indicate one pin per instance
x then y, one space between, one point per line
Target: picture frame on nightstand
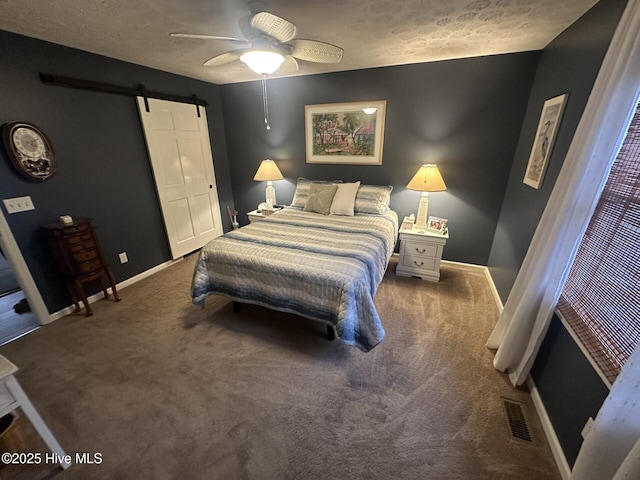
437 225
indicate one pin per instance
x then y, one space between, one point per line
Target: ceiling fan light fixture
263 62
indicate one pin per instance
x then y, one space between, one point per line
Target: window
601 298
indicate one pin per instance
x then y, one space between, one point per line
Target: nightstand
254 216
420 254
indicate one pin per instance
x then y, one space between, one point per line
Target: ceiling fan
269 44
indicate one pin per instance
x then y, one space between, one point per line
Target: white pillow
344 199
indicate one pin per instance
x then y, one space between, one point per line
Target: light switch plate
18 204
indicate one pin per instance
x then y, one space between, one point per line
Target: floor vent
517 422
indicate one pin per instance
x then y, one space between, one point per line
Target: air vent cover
515 417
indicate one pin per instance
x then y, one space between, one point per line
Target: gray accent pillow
320 198
302 190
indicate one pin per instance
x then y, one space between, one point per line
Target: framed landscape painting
543 141
345 133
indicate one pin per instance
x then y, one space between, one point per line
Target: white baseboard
125 283
487 274
451 263
549 431
494 290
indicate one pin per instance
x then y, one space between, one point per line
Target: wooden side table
12 396
421 254
80 259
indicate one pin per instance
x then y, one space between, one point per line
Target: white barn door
180 153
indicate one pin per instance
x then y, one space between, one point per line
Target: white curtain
612 448
529 308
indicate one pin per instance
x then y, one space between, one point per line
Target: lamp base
271 195
423 206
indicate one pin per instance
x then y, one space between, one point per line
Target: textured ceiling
373 33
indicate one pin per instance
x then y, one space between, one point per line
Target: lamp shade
428 179
268 170
263 62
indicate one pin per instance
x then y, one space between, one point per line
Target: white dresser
421 253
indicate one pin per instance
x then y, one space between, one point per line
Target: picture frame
437 225
344 133
548 125
408 223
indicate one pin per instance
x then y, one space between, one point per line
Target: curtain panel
525 319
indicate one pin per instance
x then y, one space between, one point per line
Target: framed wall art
552 111
345 133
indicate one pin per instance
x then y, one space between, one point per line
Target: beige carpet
165 390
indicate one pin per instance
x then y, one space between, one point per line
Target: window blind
601 297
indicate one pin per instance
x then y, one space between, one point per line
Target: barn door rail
140 91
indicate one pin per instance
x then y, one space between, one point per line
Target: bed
322 267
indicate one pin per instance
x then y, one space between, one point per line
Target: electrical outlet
123 257
18 204
587 428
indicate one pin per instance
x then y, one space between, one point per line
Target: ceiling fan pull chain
265 102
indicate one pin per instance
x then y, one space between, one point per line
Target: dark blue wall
571 389
103 170
464 115
570 65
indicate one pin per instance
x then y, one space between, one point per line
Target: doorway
16 317
22 309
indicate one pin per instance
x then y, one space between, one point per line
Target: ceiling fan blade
223 58
244 23
200 36
290 65
274 26
316 51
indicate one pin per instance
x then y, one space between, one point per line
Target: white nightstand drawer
418 262
421 249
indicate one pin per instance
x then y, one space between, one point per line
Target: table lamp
268 170
427 179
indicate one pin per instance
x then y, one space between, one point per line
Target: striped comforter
326 268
